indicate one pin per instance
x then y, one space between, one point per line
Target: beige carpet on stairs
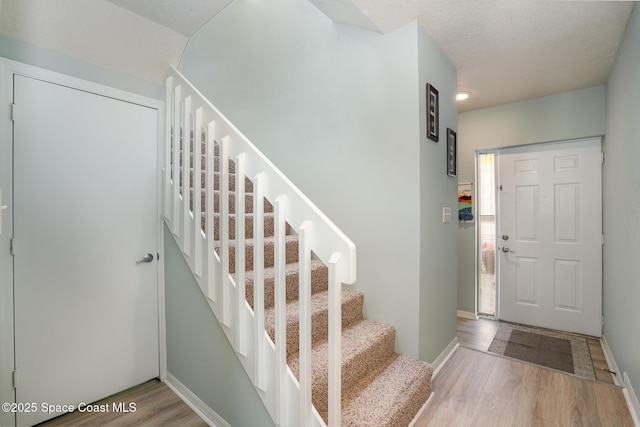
379 386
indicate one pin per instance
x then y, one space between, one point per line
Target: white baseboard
622 380
467 315
632 399
437 364
441 360
199 407
415 419
611 361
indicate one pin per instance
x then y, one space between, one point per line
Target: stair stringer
287 400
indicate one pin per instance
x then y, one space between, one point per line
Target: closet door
86 314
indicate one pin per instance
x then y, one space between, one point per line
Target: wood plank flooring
155 405
476 388
479 334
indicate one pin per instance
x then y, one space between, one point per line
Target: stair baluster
197 194
177 152
241 333
258 284
335 341
305 323
190 207
280 307
186 165
212 287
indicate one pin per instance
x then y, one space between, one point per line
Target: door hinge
2 207
602 158
12 246
13 112
603 239
14 379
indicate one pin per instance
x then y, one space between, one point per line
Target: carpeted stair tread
366 345
319 278
352 301
248 185
392 398
291 252
203 162
248 202
248 225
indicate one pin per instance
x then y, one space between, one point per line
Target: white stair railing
191 117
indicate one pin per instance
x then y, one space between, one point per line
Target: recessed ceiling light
461 96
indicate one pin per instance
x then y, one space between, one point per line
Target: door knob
146 258
506 249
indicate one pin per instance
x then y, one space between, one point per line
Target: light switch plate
446 215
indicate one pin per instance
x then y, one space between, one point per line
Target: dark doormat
555 350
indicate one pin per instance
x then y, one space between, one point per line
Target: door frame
7 69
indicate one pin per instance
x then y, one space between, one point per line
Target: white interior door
86 315
550 236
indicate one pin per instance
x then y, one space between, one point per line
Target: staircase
274 280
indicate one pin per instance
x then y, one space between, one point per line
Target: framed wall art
433 113
465 202
452 151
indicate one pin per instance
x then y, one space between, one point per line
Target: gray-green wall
567 115
621 180
44 58
338 110
438 245
198 352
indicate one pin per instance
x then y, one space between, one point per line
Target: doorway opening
486 234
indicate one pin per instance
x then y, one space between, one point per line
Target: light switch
446 215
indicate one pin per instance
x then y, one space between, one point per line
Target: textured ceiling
504 50
508 50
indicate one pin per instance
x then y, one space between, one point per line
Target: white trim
210 416
162 324
446 354
424 408
467 315
6 263
632 399
80 84
611 362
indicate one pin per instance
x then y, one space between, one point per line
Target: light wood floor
156 405
479 334
476 388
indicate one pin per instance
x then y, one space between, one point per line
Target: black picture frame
433 113
452 153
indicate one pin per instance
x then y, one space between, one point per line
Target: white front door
86 315
550 235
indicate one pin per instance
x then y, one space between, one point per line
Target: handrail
190 116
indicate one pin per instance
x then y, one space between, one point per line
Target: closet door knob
146 258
